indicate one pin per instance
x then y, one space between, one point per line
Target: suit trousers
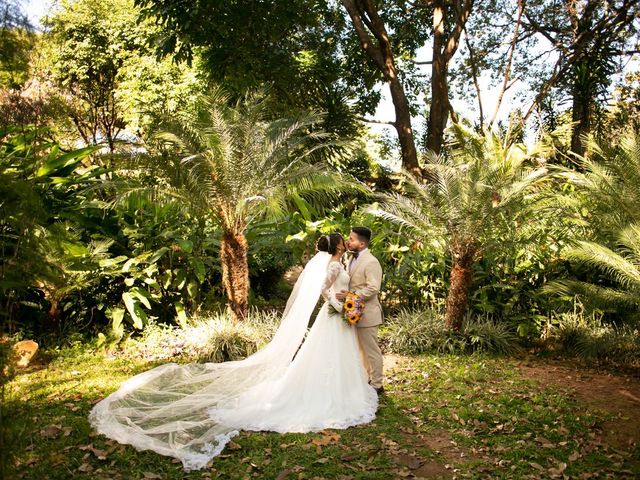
371 353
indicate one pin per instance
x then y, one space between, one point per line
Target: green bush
206 339
223 340
588 337
484 334
411 332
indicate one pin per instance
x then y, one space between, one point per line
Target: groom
365 275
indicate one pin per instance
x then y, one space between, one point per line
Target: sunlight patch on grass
463 416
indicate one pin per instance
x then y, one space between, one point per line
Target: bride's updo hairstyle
329 243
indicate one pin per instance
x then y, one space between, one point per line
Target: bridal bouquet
352 308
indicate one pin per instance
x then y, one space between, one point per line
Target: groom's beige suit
365 275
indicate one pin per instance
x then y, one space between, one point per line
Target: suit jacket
365 279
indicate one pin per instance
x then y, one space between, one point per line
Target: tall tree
449 19
294 47
90 41
16 42
375 41
589 37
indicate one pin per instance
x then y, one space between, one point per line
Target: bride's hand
341 295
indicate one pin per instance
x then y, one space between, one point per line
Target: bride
294 384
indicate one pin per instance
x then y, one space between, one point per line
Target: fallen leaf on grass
326 439
72 406
574 456
67 431
558 471
152 476
85 468
100 454
544 442
283 474
233 445
51 431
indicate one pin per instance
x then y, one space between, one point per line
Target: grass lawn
442 417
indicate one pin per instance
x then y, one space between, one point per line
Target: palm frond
606 260
594 296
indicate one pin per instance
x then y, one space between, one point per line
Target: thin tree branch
474 73
380 122
507 69
454 38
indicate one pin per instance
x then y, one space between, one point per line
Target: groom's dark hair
363 233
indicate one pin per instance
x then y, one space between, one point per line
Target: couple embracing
328 377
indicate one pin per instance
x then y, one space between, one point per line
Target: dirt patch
391 361
421 468
446 453
618 395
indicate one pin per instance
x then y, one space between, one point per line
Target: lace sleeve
333 270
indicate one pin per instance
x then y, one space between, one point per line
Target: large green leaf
112 262
138 316
192 288
142 295
180 279
117 315
181 315
57 162
198 266
158 254
185 245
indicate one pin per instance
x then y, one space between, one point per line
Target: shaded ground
443 417
618 395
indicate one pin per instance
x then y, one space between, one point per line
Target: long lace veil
167 409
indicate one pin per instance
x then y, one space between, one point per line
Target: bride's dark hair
329 243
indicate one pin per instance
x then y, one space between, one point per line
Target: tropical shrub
607 197
41 259
589 337
411 332
206 338
418 331
235 166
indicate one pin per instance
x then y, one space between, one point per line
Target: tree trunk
581 127
464 256
581 112
444 47
235 274
402 125
366 21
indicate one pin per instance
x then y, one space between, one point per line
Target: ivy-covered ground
442 417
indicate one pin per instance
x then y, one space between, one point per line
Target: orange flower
353 308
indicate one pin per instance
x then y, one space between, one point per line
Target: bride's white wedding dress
190 412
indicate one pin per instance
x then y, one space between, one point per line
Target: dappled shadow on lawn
486 421
442 417
617 395
52 439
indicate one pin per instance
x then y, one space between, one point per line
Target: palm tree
236 167
621 266
607 185
606 197
468 195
